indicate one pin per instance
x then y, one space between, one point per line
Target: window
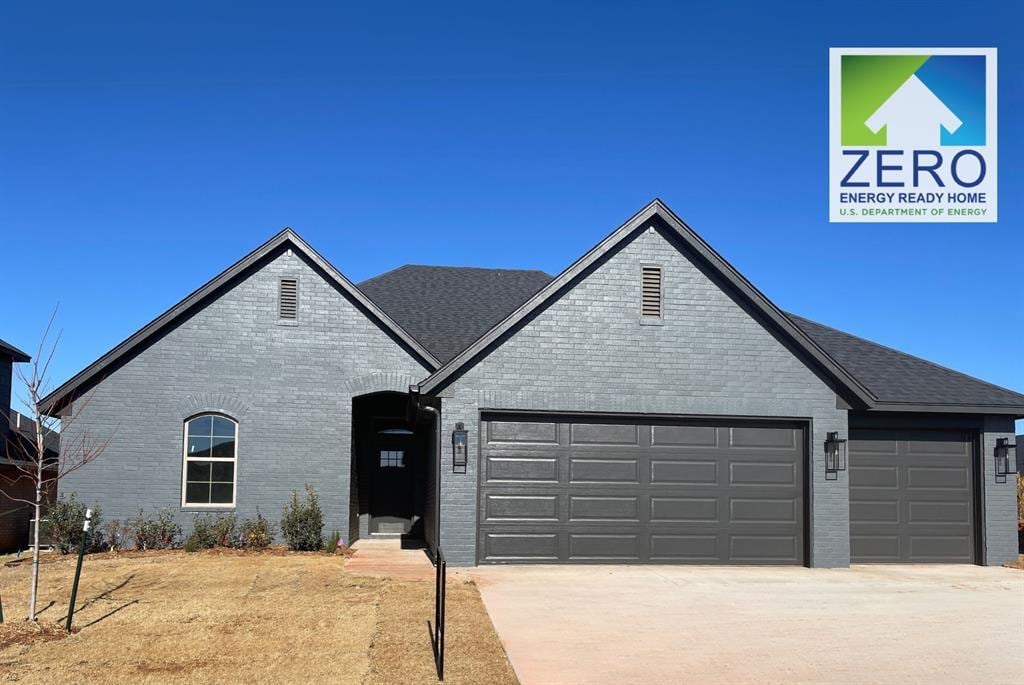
211 447
392 459
650 292
288 299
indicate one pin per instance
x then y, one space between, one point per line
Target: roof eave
1017 411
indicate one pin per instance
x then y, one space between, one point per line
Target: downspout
414 391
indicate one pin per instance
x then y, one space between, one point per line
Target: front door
393 476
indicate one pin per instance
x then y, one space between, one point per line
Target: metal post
78 568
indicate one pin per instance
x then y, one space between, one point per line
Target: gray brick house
646 405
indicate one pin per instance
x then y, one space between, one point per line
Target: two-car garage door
583 489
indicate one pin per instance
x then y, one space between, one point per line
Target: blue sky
148 147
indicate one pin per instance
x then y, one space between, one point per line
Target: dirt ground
229 618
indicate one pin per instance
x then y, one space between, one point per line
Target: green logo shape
867 81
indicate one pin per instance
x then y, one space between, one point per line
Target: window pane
223 471
198 470
200 425
197 493
220 493
224 448
223 427
198 447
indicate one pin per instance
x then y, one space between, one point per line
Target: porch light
835 456
1002 453
460 448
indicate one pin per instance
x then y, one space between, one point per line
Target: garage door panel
762 473
608 435
521 546
600 508
612 492
601 546
684 436
684 471
684 548
764 549
588 470
911 497
762 510
523 432
521 469
875 548
683 509
762 438
499 507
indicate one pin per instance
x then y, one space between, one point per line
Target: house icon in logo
913 117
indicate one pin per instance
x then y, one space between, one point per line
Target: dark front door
393 478
592 490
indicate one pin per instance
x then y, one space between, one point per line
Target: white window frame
186 459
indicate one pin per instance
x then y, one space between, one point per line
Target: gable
590 339
241 305
662 236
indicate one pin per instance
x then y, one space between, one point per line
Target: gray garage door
910 496
584 490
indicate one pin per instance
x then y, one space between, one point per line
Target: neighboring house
647 405
17 434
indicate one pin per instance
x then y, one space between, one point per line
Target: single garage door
612 491
911 496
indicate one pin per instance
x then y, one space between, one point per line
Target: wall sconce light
1002 453
835 456
460 448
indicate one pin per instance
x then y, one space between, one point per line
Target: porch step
388 528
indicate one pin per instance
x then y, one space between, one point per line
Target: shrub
118 535
156 531
213 531
256 533
63 525
302 523
333 540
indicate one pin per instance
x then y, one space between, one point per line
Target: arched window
211 449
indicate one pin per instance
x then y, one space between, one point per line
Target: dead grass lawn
205 618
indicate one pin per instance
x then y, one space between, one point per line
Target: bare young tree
31 460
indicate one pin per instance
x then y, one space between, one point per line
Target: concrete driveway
672 624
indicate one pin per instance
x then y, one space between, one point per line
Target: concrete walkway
659 624
386 558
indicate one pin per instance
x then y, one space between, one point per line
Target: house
17 435
646 405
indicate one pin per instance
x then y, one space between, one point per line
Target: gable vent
288 299
650 296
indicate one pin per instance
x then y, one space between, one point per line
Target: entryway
389 478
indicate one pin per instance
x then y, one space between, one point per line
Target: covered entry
592 489
911 496
389 469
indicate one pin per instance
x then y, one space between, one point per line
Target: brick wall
588 352
289 387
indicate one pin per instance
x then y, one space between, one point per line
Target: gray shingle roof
448 308
896 377
8 350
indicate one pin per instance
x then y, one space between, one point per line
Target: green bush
62 525
155 531
333 540
302 523
213 531
256 533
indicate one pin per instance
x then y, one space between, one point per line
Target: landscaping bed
239 617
